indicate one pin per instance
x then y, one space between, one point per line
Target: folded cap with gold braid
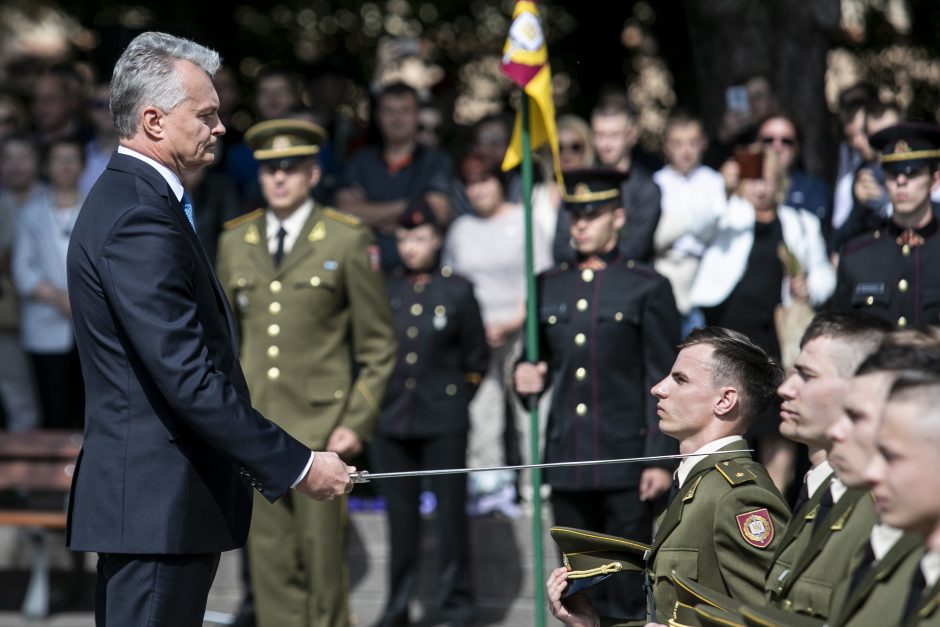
908 146
589 190
276 140
592 557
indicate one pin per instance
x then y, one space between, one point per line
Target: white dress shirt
688 463
883 537
815 477
930 566
293 224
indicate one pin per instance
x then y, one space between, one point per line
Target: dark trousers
153 590
453 579
59 381
615 512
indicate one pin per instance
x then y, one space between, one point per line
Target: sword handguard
360 476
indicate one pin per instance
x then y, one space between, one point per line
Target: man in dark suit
170 436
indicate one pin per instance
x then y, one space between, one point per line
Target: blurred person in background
763 254
19 186
381 179
55 104
748 100
613 125
277 94
780 134
487 248
13 116
104 139
693 198
424 422
43 231
864 203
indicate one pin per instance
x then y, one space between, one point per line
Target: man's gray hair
145 75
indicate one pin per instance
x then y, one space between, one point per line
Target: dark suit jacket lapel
806 515
882 570
673 514
928 605
833 522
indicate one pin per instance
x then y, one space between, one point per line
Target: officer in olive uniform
424 421
608 328
318 347
892 272
720 528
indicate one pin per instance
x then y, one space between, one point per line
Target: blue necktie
188 209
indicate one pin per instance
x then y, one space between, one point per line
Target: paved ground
502 573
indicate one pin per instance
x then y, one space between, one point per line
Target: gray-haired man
171 439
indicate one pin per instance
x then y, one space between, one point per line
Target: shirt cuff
305 471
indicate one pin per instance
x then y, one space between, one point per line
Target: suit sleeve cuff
305 471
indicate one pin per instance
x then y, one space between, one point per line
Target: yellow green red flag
525 62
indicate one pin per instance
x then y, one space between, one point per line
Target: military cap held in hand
593 557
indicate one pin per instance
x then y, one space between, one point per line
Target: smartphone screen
736 99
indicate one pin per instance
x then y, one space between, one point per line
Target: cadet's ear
727 400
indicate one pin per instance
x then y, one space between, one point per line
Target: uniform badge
372 252
330 265
253 235
318 232
756 527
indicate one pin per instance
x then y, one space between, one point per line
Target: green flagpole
532 356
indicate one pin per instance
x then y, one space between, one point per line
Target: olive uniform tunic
304 328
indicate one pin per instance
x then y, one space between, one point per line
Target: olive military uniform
875 593
926 610
303 326
719 530
807 587
423 425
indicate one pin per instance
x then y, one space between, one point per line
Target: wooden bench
36 470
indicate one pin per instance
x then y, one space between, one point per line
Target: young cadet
608 328
724 512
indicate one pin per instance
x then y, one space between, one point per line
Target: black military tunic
442 357
442 354
608 336
894 274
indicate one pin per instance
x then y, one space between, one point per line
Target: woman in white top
43 230
487 248
742 279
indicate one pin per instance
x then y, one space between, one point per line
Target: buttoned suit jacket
169 422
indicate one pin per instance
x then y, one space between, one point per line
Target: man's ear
727 400
152 122
315 174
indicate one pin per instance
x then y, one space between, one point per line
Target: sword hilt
360 476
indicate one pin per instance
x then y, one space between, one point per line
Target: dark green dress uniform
875 593
423 426
807 587
720 530
608 330
922 610
892 272
318 346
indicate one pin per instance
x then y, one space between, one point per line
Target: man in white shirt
693 197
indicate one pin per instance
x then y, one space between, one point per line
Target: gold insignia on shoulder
734 473
253 235
318 232
339 216
242 219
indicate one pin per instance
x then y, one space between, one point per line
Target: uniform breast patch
756 527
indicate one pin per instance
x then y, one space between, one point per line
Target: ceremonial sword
364 476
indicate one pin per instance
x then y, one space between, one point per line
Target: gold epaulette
242 219
734 472
339 216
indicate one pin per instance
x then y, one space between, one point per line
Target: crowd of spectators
737 243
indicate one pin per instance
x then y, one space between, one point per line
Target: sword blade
364 476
